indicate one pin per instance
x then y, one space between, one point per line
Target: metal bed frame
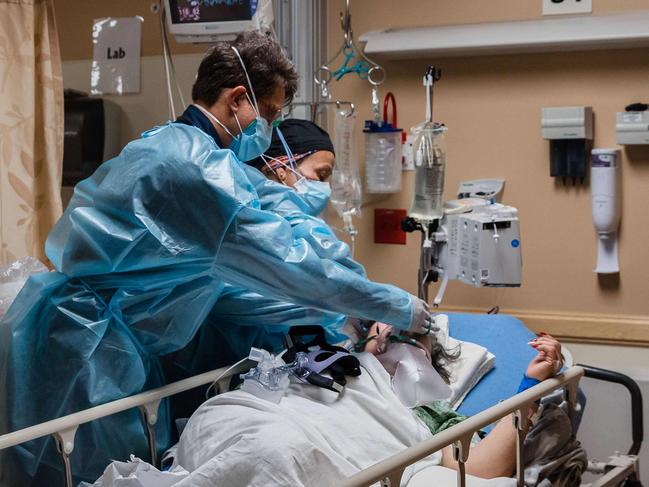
618 469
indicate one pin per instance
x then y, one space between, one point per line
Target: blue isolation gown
241 319
143 253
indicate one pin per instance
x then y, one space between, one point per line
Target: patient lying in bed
495 455
315 437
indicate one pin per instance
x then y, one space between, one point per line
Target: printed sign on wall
116 55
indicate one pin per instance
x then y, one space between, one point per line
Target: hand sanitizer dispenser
604 183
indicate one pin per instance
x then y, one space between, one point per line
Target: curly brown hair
266 62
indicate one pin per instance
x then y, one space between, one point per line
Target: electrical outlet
562 7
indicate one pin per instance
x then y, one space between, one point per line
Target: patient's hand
548 360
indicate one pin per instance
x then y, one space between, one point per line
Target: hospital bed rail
619 469
387 472
64 428
390 471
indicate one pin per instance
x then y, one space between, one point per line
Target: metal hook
352 108
364 67
317 107
434 72
346 24
376 68
324 80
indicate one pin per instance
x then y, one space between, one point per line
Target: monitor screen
195 11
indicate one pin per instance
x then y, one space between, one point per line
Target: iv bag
345 180
430 160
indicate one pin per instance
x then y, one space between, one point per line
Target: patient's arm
495 456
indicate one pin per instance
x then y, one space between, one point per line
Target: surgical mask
255 139
314 194
414 379
252 141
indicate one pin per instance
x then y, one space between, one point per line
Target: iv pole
427 272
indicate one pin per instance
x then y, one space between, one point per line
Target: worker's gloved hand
422 321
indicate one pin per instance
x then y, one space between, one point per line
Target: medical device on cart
473 239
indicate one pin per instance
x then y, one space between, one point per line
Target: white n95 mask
414 379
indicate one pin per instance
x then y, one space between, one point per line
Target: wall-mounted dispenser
604 185
570 132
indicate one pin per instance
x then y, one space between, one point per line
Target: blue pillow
504 336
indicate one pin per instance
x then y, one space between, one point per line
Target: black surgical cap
301 136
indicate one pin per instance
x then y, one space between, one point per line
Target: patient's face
382 332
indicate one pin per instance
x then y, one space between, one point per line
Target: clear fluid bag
383 152
345 181
430 161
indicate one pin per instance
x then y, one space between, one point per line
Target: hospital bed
618 469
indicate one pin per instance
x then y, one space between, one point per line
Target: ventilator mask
414 379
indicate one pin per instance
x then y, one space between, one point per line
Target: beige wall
139 111
492 107
143 110
74 19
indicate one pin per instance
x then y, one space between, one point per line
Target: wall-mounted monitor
212 20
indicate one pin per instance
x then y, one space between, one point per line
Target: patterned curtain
31 127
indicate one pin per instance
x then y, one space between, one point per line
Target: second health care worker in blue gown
142 255
291 179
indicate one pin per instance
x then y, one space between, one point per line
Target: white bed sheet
312 438
438 476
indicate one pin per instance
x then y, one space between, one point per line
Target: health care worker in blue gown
297 168
142 254
291 179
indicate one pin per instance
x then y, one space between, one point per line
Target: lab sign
116 55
